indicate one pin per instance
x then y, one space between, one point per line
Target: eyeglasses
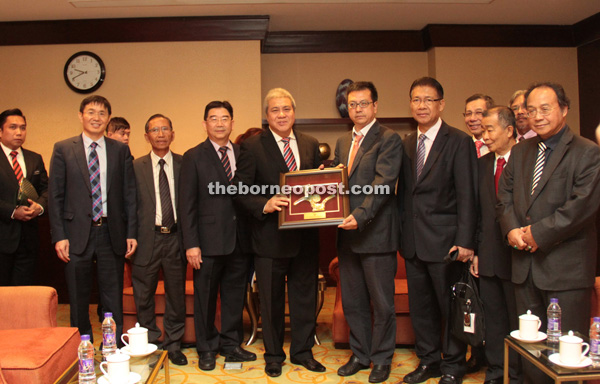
517 108
362 104
161 129
215 119
544 111
428 102
476 113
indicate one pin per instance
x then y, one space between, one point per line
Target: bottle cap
596 319
107 314
554 300
85 337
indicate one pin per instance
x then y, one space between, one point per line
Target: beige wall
175 79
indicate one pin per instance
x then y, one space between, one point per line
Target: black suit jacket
492 250
208 221
10 229
70 199
377 162
440 209
260 164
146 206
561 212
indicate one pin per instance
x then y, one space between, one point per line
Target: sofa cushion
37 355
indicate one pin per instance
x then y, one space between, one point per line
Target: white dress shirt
293 146
20 158
430 138
168 167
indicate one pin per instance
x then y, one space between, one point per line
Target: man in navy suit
212 241
439 215
19 241
92 210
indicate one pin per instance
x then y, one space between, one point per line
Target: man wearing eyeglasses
517 104
548 195
157 181
367 244
92 211
438 208
212 241
475 105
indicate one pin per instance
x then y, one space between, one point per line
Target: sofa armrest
127 275
334 271
28 307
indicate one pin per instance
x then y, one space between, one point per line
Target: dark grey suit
158 251
367 255
562 215
291 254
438 211
70 212
210 222
19 240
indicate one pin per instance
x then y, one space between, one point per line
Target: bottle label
594 346
554 324
86 365
109 339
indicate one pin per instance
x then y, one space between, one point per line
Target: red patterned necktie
225 162
499 168
288 155
16 167
478 145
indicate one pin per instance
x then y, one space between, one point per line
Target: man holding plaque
281 255
23 197
367 241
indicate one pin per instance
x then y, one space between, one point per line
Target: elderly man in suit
367 241
475 105
492 263
438 211
19 242
157 185
92 210
281 257
548 197
212 242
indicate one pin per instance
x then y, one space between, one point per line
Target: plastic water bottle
595 342
554 314
109 340
86 361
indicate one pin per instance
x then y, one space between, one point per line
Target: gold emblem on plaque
314 200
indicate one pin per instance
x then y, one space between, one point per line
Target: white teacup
529 325
138 339
117 368
570 349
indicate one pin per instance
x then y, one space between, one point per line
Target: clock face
84 72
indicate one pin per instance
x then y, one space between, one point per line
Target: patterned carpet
253 372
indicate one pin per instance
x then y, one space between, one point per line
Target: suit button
234 218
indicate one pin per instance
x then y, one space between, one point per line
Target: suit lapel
436 149
215 161
111 154
273 151
29 165
409 148
490 177
80 158
7 168
366 144
149 178
176 171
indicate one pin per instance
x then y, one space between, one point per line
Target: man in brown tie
157 183
211 239
475 105
19 242
492 262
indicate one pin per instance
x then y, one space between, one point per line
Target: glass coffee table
538 354
148 367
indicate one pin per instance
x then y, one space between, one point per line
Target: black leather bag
467 311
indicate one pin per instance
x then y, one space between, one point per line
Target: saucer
555 358
133 378
540 337
151 348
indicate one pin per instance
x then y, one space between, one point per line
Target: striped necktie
288 155
539 165
166 204
420 154
94 169
225 162
478 145
16 166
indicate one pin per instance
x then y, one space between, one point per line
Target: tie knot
500 162
94 145
422 137
478 144
223 150
14 153
286 140
358 137
162 162
542 146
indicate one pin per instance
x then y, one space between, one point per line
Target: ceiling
318 15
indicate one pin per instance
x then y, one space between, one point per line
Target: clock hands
82 73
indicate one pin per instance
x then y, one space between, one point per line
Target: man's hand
62 250
131 247
516 239
528 238
275 203
349 223
464 254
24 213
194 257
474 268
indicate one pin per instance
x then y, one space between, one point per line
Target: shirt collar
168 158
431 132
7 150
217 146
278 137
87 141
506 156
363 131
552 142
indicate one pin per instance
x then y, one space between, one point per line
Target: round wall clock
84 72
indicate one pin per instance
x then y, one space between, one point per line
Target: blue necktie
420 154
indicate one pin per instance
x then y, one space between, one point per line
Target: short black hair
10 112
427 82
489 102
218 104
362 86
563 100
95 99
116 124
156 116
